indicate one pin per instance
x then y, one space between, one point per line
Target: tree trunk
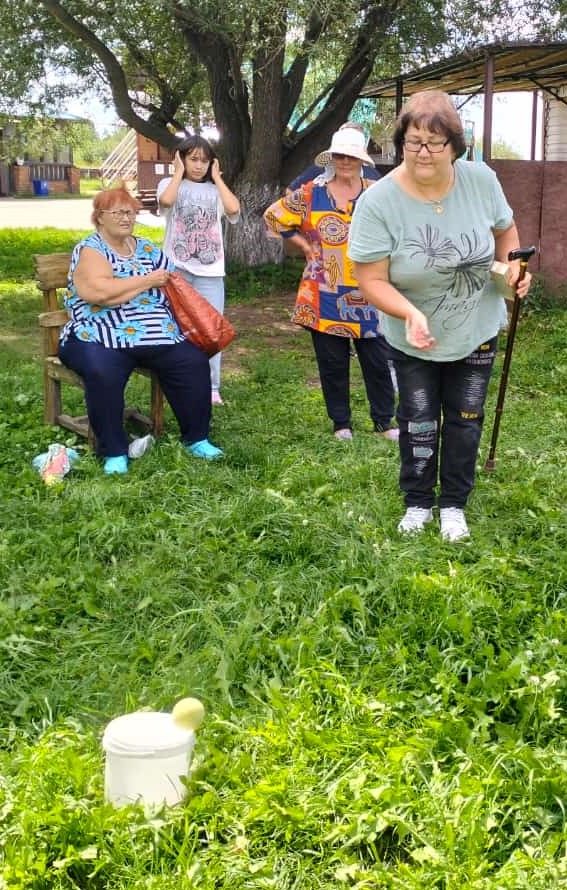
247 242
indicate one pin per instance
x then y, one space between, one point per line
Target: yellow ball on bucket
188 713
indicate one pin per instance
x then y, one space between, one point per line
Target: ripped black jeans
440 415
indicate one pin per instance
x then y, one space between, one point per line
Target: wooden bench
51 276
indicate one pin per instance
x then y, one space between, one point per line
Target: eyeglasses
121 214
434 148
336 156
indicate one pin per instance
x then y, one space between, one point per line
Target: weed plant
382 712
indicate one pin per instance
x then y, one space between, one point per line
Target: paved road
64 213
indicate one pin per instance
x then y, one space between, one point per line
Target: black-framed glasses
121 214
434 148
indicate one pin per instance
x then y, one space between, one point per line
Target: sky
92 109
511 121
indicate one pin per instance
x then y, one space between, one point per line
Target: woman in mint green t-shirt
423 240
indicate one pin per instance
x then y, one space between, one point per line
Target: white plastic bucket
147 756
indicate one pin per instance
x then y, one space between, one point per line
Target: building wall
152 151
150 173
537 193
23 176
555 128
153 163
4 179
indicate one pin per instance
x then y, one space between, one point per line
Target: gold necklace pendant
438 208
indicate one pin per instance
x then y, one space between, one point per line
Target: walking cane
522 254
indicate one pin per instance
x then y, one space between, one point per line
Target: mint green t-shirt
439 261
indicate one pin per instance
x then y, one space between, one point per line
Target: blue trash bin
40 187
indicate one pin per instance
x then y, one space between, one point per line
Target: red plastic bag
198 321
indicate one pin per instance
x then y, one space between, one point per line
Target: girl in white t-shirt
193 201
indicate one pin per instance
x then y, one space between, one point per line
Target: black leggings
440 415
333 360
182 370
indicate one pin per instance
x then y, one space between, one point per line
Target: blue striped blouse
145 320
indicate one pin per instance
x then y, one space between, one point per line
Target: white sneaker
343 434
415 520
453 524
393 434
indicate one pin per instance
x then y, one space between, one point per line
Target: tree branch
115 73
343 92
263 161
357 67
229 94
170 100
295 75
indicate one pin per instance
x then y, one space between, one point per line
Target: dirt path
261 323
56 213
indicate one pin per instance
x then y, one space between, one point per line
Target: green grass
90 187
17 247
244 284
381 712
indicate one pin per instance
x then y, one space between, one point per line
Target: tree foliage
90 149
500 149
40 137
277 77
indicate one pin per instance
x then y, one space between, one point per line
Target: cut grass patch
382 712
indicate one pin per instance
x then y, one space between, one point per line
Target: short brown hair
111 198
433 110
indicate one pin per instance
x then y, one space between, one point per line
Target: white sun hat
346 141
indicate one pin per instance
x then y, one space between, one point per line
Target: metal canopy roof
517 67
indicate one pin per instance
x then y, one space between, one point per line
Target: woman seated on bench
121 319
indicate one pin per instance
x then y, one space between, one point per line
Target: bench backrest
51 270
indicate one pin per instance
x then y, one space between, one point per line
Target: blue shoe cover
116 464
205 450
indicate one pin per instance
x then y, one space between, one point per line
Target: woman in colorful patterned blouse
317 219
120 318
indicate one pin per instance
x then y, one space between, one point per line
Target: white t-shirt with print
193 235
